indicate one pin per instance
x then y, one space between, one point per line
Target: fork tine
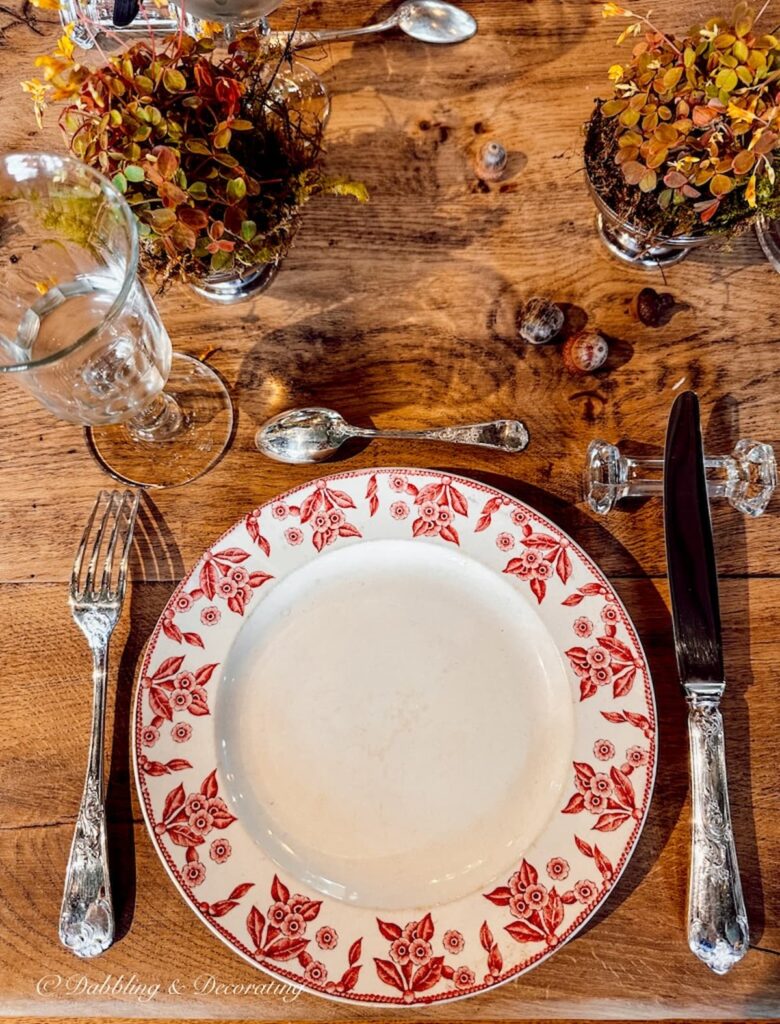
89 582
132 513
76 573
109 556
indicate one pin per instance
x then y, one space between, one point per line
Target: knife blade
717 920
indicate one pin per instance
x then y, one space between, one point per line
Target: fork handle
87 914
717 920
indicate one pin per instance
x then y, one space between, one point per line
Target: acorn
490 162
540 321
651 308
585 352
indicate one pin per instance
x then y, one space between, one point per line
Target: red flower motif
453 941
544 570
226 587
610 614
583 626
601 676
183 602
397 482
201 822
149 736
216 805
293 536
420 951
181 732
194 873
210 615
293 925
320 522
296 903
399 510
429 511
532 558
399 951
180 699
444 515
336 518
585 891
463 977
184 681
239 574
637 756
327 938
595 802
603 750
220 850
519 517
194 803
505 542
558 869
277 912
519 908
279 510
597 657
601 783
316 973
536 896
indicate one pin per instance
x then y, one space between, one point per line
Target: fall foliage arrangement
214 159
689 142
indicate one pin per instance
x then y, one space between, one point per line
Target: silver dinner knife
717 921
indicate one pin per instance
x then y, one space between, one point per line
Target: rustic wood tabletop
402 312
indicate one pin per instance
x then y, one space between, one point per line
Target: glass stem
160 420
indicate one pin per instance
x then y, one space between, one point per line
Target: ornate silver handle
500 435
717 921
303 40
87 914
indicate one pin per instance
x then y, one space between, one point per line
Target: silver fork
87 914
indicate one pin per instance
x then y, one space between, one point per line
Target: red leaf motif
610 821
419 526
563 566
482 524
583 772
348 530
603 863
591 589
411 489
349 978
173 802
318 540
178 764
371 489
354 952
541 540
553 912
389 930
616 648
172 630
373 505
285 948
257 579
539 588
169 667
279 891
587 687
575 804
191 855
459 503
198 707
449 533
194 639
388 973
221 908
222 819
265 547
522 932
428 975
638 720
425 928
572 600
240 890
204 673
342 499
236 604
568 897
485 937
210 787
155 768
583 847
577 656
514 565
208 579
310 910
183 835
448 972
233 555
255 923
500 896
623 788
613 716
528 873
431 492
495 960
310 505
159 703
623 681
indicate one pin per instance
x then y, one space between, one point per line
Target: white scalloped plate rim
451 981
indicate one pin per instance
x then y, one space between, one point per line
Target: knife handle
717 921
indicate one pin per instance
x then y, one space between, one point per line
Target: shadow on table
646 608
155 557
722 433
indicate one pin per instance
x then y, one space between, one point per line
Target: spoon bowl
434 21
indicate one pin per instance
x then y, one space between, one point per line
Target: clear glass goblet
79 330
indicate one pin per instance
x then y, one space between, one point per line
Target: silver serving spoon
312 435
429 21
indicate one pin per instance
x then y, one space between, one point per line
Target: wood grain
403 313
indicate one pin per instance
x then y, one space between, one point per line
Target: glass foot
227 288
192 450
628 248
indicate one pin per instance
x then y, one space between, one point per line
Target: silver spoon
311 435
429 21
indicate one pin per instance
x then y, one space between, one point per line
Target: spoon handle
498 435
305 40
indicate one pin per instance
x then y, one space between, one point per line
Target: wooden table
402 313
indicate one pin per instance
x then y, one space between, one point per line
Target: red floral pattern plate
256 902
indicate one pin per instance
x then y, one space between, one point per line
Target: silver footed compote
315 434
87 914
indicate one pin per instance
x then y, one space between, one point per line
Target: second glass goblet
80 331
